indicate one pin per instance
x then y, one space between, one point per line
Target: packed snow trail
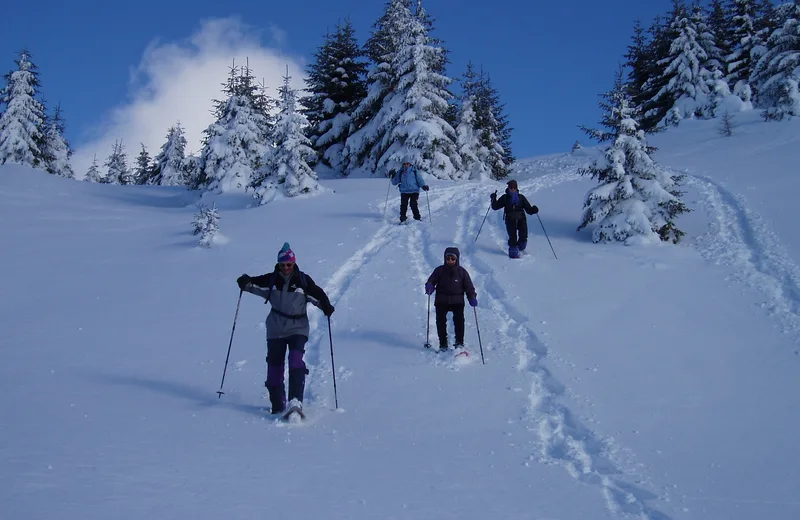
740 239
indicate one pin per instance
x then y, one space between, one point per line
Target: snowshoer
515 205
409 182
451 282
288 290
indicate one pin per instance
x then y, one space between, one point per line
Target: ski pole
428 332
545 234
333 366
479 334
386 204
429 206
484 220
220 392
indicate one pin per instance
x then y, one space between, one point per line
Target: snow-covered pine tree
367 126
236 142
144 167
636 198
118 171
746 46
168 164
777 73
492 128
94 174
21 123
413 113
577 146
652 106
337 85
286 166
56 150
468 139
687 80
206 224
718 26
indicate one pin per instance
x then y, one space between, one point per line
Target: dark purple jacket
451 282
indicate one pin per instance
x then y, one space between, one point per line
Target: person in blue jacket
409 181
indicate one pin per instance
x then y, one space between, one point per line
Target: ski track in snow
560 437
741 240
319 383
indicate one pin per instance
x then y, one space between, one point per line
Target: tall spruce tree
414 111
493 128
368 126
236 143
22 122
777 73
286 167
337 85
168 164
746 45
635 197
474 156
56 150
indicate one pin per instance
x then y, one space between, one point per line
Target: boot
513 252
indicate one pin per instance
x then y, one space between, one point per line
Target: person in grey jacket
288 290
409 182
451 282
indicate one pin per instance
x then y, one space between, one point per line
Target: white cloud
178 81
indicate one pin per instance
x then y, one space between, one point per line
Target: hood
452 251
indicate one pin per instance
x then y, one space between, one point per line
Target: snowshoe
294 412
513 252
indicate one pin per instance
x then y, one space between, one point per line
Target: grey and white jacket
288 296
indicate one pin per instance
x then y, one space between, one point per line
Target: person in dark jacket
451 282
515 205
409 182
288 290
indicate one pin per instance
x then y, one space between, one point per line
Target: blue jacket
409 180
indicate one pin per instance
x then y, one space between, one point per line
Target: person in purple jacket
451 282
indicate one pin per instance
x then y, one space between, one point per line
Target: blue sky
128 70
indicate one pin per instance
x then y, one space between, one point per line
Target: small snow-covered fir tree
56 149
21 123
206 224
726 124
116 164
337 85
94 174
236 142
577 146
168 164
144 167
286 166
636 199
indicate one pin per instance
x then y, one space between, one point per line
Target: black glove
425 188
534 210
392 173
493 196
242 281
327 310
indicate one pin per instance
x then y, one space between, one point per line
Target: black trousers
458 322
405 198
517 231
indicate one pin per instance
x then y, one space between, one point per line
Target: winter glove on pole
473 302
242 281
428 289
220 392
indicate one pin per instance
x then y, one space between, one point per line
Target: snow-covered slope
653 382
